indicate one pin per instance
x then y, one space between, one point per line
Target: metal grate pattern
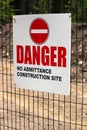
32 110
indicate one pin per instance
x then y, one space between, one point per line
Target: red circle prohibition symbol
39 31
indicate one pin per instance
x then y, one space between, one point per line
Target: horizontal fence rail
22 109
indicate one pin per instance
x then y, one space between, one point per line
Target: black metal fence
32 110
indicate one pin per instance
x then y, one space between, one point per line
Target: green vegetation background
8 8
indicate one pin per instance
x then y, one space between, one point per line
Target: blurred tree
28 6
59 6
78 8
6 11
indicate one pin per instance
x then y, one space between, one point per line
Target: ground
31 110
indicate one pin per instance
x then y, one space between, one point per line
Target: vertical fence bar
76 65
82 2
43 110
71 71
59 112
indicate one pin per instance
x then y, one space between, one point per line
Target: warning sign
39 30
42 48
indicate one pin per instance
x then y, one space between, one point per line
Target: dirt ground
31 110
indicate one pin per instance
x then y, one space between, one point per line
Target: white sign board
41 49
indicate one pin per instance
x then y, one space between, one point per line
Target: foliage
78 8
6 11
60 6
41 6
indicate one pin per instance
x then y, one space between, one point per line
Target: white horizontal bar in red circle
39 31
